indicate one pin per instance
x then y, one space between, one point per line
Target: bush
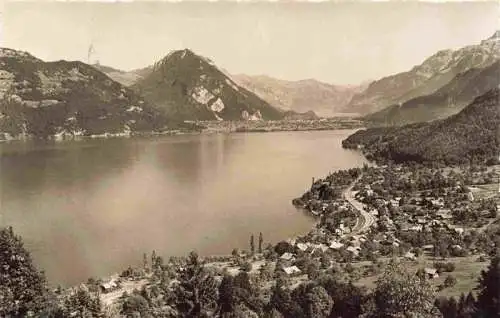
444 267
450 281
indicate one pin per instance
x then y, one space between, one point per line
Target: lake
93 207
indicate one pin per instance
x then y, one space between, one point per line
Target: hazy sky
344 43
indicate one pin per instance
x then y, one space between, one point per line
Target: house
353 250
428 247
286 256
459 230
421 221
416 228
109 286
336 245
303 247
431 273
321 247
291 270
410 256
470 196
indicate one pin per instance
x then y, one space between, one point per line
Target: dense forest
471 136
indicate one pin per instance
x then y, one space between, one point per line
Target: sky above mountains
341 43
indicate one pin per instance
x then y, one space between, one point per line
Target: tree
226 300
399 293
145 262
261 241
449 281
488 301
318 302
252 244
281 300
196 293
82 303
448 307
23 289
134 305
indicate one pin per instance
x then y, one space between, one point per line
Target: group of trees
252 244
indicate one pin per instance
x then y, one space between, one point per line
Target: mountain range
470 136
427 78
446 101
300 96
44 99
39 98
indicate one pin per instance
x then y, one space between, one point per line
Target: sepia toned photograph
285 159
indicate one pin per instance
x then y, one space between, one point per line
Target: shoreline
169 133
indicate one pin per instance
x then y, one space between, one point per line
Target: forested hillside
469 136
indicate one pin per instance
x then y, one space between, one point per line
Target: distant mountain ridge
191 87
446 101
62 98
471 136
300 96
426 78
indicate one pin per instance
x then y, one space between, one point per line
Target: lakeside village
441 224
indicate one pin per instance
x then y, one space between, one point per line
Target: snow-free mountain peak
191 87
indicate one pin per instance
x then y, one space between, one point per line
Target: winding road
365 220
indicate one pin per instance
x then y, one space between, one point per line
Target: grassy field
467 271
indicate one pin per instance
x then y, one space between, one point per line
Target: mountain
446 101
472 135
122 77
426 78
44 99
300 96
190 87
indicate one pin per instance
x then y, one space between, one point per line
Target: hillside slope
472 135
424 79
446 101
44 99
190 87
300 96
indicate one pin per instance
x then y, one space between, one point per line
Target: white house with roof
287 256
302 246
291 270
431 273
336 245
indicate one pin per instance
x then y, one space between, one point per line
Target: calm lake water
91 208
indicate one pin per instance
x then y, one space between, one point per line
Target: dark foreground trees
488 301
196 293
23 289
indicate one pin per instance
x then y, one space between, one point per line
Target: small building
470 196
286 256
302 246
353 250
322 247
291 270
459 230
109 286
411 256
428 247
431 273
336 245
